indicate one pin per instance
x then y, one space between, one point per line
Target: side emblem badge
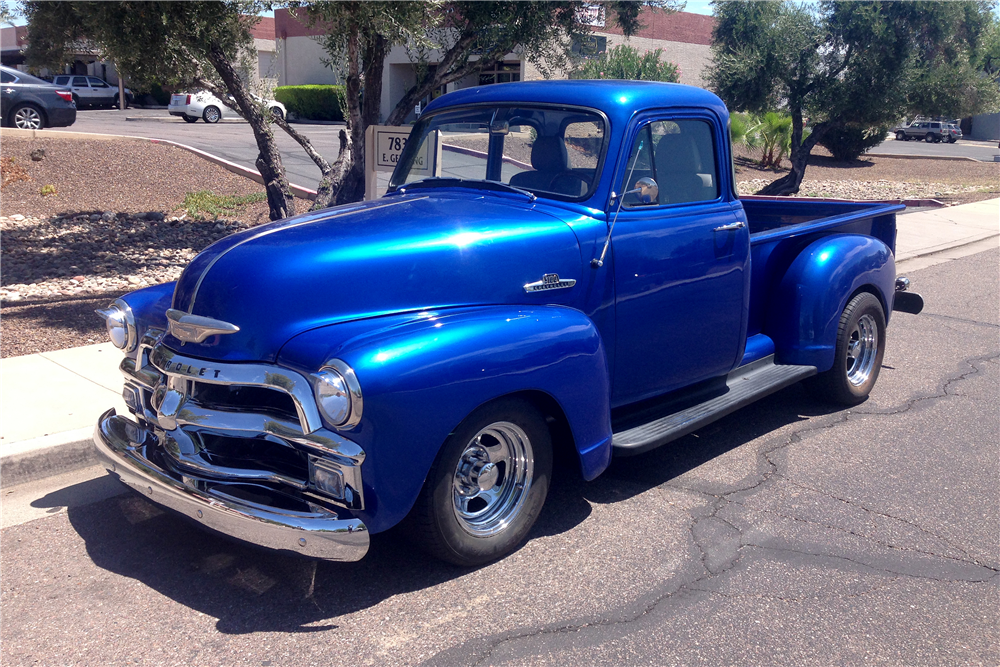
549 281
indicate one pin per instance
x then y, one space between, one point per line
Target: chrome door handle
730 227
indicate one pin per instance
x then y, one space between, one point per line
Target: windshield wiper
479 184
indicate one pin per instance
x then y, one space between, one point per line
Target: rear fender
805 310
420 378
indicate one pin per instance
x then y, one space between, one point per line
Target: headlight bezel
120 312
337 369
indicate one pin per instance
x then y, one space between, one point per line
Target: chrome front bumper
126 449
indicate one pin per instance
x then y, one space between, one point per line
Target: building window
501 73
589 46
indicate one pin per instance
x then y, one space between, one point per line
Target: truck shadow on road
251 590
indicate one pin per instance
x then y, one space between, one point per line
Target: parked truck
558 268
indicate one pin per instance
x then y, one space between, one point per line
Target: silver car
210 108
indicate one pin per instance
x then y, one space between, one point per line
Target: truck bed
780 228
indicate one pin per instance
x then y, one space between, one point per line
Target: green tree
206 45
625 62
867 63
468 36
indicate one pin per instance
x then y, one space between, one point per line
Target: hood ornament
195 328
548 282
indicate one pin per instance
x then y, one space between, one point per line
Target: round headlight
117 327
332 396
121 325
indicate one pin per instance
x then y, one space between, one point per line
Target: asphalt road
978 150
232 140
790 533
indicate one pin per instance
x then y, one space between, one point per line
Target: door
81 89
7 93
681 262
102 92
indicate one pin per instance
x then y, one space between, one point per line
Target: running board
743 386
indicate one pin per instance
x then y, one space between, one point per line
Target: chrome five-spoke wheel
862 348
487 485
493 478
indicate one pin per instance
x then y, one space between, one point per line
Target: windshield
544 150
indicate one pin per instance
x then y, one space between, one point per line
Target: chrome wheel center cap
486 477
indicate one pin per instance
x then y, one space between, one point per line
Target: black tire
901 136
455 518
118 102
276 112
76 101
211 114
27 117
190 119
858 353
929 138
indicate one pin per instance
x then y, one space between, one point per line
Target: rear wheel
211 114
277 113
929 138
901 136
190 119
27 117
486 487
858 354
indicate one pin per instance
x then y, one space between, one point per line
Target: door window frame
726 187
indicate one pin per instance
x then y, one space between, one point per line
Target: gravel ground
115 222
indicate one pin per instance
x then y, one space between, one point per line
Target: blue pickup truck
557 269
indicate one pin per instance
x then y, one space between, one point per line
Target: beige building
685 39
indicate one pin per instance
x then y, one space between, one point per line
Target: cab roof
618 99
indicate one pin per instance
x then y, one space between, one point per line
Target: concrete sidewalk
49 402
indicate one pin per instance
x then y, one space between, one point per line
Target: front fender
420 378
805 309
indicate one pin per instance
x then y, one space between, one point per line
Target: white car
207 106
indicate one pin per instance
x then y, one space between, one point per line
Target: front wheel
486 487
211 114
901 136
858 354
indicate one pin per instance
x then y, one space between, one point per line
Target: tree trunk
280 200
799 157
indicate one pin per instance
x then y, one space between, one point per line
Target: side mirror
647 189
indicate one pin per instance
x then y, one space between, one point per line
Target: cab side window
80 81
7 78
680 156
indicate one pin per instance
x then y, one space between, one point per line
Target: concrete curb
297 190
48 456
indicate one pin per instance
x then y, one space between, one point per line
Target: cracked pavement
789 533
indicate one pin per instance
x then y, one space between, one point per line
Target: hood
426 250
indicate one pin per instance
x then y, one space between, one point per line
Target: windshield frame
412 146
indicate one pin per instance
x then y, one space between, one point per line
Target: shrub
205 201
313 102
849 142
625 62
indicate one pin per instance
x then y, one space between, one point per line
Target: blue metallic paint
422 375
815 290
422 293
414 252
149 306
